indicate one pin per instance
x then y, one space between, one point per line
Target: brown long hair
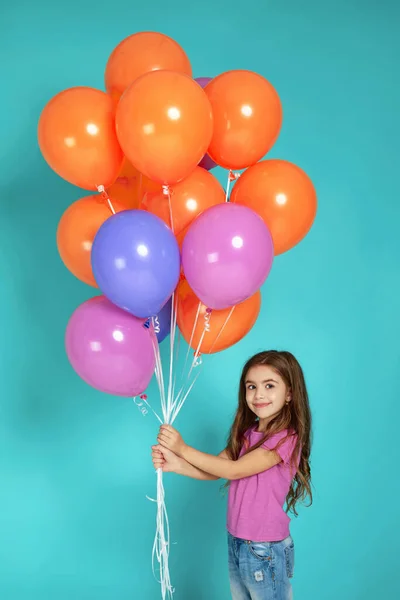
295 417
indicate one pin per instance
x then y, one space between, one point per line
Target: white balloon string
182 395
222 329
167 192
231 177
110 206
177 402
228 185
183 400
191 336
172 356
159 376
102 190
156 324
161 545
162 534
143 398
171 406
177 345
206 329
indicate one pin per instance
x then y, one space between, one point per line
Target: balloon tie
207 317
167 193
156 324
197 360
102 191
231 177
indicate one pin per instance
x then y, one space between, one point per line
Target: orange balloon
130 186
189 198
142 53
247 118
164 125
77 137
227 327
283 195
76 231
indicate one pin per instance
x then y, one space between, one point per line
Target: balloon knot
207 318
156 324
233 176
102 191
198 359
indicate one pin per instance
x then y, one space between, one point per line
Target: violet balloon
110 349
206 162
227 255
203 81
136 262
164 322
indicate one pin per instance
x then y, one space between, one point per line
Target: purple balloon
206 162
227 255
110 349
136 262
164 322
203 81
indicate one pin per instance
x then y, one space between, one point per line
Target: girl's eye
250 387
269 386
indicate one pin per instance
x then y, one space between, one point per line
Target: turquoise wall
74 463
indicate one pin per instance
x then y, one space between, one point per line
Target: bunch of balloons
160 224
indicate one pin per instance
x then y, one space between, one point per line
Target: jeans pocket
289 558
260 551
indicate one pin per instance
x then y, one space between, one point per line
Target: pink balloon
109 348
227 254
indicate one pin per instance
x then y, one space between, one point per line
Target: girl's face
266 393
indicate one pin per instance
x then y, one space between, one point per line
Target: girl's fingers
167 428
163 440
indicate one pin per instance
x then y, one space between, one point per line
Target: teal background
74 463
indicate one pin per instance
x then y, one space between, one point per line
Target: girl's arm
252 463
169 462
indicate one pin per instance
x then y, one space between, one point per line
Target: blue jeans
261 570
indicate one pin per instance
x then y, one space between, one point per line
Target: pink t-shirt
255 504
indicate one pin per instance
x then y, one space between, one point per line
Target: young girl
266 463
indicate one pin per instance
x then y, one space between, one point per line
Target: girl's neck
262 424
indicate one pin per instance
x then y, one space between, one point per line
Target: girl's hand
171 439
165 459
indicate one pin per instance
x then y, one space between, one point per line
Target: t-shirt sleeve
285 449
